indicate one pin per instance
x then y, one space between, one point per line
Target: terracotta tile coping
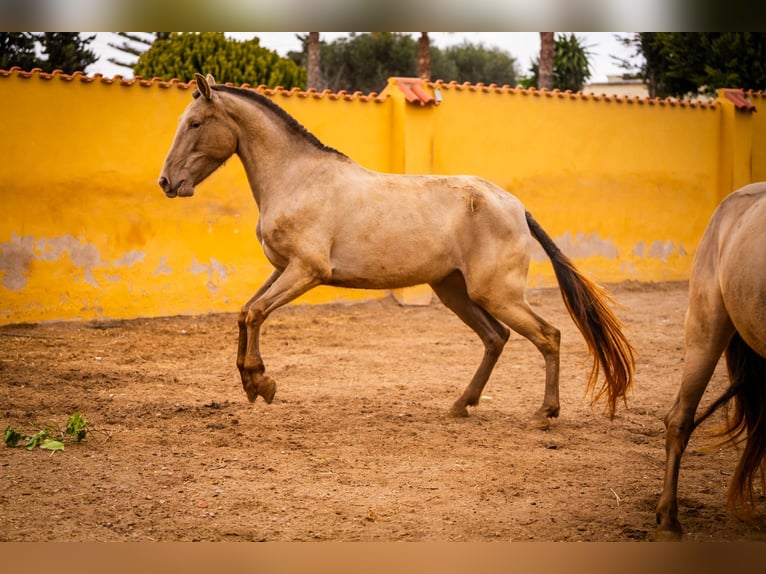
412 88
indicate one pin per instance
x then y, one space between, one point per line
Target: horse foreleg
242 343
280 289
452 292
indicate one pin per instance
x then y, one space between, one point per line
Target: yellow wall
759 136
626 187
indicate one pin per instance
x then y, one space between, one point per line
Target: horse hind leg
519 316
707 330
453 293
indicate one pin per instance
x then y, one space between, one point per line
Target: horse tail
746 420
588 305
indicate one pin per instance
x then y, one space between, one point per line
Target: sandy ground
358 444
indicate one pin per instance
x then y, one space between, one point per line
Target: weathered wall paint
624 186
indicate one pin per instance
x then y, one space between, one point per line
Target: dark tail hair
588 305
746 420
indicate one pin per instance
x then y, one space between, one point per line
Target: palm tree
424 56
547 52
313 71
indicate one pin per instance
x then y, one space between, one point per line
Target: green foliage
677 64
65 51
47 437
181 55
571 65
18 49
364 62
474 63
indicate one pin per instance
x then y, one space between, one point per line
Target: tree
180 55
545 61
424 56
571 66
313 65
679 64
18 49
134 45
364 62
474 63
66 51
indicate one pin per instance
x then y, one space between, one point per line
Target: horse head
205 138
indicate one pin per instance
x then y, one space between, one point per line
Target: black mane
291 123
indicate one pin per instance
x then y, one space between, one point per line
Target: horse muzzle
182 189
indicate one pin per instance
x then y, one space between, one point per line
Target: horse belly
389 267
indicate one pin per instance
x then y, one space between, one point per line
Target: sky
524 46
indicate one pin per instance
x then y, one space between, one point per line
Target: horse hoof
539 423
251 391
668 535
267 389
458 412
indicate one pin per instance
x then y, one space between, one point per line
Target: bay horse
726 315
326 220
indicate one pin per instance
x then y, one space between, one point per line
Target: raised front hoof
265 387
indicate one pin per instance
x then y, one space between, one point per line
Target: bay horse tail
588 305
746 420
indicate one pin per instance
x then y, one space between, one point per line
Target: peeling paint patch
131 258
163 268
661 250
581 246
16 256
83 255
214 268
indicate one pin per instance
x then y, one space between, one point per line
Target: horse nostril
164 183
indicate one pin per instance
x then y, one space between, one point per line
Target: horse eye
196 123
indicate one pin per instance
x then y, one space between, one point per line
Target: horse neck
275 158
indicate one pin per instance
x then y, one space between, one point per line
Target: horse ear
203 86
210 79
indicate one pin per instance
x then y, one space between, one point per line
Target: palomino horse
726 312
324 219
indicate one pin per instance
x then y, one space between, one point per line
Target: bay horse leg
293 282
453 293
242 343
520 317
707 331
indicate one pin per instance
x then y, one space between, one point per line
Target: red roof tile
413 90
738 98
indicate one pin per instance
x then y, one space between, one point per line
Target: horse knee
495 344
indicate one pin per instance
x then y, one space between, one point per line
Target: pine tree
66 51
18 49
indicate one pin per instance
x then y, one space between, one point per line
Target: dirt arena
358 444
